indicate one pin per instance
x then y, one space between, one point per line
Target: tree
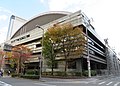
48 52
68 41
19 55
11 60
1 58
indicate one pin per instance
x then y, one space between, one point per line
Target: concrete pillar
79 65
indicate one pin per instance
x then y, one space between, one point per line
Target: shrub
15 75
85 73
93 73
25 76
55 73
74 73
78 74
30 76
59 73
46 73
32 72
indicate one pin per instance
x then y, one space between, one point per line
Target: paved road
8 81
84 82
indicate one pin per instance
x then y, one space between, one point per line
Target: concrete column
79 65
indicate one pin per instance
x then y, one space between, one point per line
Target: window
38 45
24 37
28 36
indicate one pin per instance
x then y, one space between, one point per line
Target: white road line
109 83
101 83
117 84
4 84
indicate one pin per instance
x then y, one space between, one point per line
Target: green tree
48 52
68 42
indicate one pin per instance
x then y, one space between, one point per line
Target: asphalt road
8 81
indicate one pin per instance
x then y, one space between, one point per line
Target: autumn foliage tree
1 57
19 55
68 41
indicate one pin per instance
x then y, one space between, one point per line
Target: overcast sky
105 13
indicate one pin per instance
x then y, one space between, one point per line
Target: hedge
30 76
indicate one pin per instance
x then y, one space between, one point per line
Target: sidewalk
6 76
45 79
92 79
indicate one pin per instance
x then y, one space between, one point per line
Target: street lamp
40 65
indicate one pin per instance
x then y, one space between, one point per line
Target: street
8 81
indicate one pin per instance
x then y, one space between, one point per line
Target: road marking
4 84
117 84
109 83
101 83
44 84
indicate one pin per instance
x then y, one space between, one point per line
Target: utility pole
88 55
40 58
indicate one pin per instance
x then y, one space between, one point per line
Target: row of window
21 38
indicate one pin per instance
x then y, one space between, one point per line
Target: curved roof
41 19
